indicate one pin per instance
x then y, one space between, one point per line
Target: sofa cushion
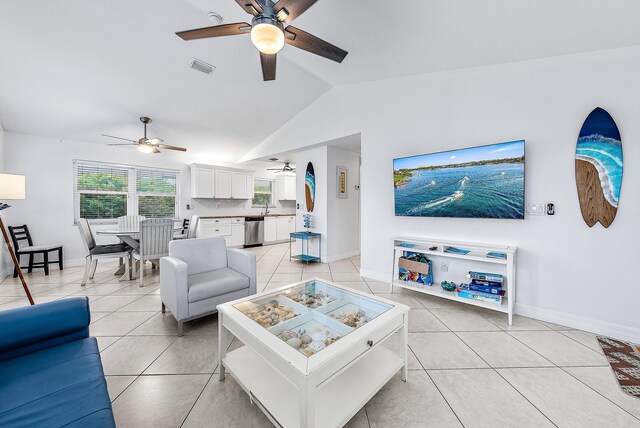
215 283
54 387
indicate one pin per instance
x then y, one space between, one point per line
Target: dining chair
155 235
21 233
130 223
96 252
193 226
189 228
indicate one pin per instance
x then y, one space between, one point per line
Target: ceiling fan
269 34
285 168
146 145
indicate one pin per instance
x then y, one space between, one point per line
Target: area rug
624 358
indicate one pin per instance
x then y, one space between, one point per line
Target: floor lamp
12 187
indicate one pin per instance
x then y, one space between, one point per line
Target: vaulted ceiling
75 69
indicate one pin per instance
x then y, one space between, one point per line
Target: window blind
105 191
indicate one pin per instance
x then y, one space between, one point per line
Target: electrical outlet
444 266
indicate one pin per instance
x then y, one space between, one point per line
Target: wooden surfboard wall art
599 166
310 187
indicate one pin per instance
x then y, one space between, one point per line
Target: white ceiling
76 69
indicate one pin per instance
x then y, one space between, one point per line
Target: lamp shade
11 186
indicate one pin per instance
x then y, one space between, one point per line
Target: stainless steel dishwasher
253 231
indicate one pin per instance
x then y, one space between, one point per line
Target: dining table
132 239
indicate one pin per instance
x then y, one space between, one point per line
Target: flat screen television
478 182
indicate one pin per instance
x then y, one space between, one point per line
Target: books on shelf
496 284
483 276
486 289
464 291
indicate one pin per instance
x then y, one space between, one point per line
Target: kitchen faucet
266 208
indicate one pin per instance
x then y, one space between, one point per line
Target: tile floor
529 374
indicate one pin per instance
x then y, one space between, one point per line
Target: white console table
458 266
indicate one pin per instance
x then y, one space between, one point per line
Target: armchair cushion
200 254
215 283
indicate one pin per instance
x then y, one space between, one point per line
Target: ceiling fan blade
119 138
155 141
310 43
155 150
164 146
250 6
123 144
292 8
215 31
268 66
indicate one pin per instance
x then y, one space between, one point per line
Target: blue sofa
50 369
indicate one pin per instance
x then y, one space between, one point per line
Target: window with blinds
262 192
156 192
105 191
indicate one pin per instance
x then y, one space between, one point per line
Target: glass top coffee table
312 354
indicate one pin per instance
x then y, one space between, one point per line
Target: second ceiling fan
269 34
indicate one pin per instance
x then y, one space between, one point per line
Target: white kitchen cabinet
202 182
237 234
282 228
239 187
231 229
286 187
270 229
223 184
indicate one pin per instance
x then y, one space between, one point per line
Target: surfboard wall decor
310 187
599 166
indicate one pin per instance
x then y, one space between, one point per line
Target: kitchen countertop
251 215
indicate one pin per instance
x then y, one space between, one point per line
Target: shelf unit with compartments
457 266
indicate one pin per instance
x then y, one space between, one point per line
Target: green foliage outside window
95 206
157 206
262 192
108 182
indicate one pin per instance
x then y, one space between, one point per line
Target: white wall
343 233
567 272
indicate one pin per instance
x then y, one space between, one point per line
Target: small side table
305 236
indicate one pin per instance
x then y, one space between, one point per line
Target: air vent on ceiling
202 66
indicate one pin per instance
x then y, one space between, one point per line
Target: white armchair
199 274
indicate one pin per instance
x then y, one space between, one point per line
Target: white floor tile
482 398
566 401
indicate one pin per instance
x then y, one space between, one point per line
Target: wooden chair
155 235
129 223
21 233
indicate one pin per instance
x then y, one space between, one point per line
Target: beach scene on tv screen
484 182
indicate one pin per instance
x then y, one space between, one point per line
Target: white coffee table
305 386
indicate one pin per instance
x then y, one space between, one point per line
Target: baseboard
617 331
341 256
74 262
378 276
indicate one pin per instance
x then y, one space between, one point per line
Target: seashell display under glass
311 316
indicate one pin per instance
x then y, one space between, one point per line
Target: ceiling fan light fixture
145 148
267 36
